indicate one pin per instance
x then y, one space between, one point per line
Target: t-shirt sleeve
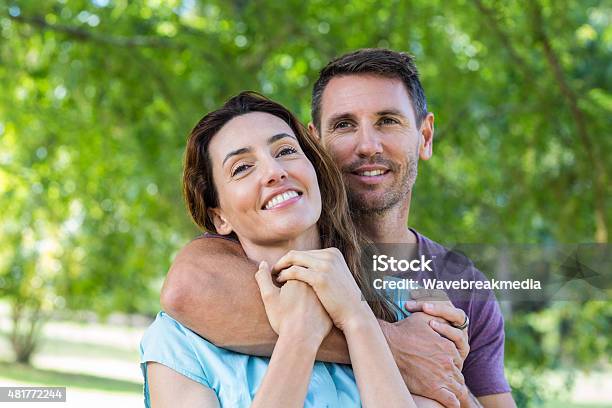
483 369
168 343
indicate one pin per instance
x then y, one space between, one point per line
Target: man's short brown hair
374 61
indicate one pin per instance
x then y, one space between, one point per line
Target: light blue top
235 377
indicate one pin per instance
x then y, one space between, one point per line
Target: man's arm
437 304
211 289
503 400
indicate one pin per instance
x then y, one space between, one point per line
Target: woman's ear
222 225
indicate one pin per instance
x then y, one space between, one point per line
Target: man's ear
313 131
427 134
222 225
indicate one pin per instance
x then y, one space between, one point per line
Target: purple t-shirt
483 368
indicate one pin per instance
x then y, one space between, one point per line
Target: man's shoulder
447 262
428 246
212 244
208 249
450 265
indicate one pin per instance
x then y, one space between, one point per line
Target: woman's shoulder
168 342
166 337
164 329
164 321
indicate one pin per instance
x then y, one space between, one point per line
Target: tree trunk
25 333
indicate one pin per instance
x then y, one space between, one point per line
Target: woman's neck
272 252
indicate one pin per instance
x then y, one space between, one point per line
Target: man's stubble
385 200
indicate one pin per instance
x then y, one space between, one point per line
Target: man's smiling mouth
371 173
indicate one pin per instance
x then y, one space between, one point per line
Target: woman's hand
375 370
293 309
326 271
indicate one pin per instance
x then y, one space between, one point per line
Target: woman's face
267 188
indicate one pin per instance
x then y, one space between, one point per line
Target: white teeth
279 198
372 173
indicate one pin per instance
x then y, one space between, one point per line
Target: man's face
369 126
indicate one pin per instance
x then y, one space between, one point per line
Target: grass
564 404
52 378
64 347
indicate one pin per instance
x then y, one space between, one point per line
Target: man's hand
448 315
429 363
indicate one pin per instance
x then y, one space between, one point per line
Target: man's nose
368 142
273 171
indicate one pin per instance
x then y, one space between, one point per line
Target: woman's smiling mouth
282 199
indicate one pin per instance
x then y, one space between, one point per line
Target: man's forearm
215 302
212 290
503 400
470 401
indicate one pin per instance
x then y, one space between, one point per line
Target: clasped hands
320 291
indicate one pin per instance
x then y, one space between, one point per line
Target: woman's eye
240 169
285 151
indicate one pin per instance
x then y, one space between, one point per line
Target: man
369 110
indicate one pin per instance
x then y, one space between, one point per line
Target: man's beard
385 200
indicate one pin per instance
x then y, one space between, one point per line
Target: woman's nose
273 172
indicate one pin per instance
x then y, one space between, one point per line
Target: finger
415 307
429 294
425 317
298 273
445 310
263 277
447 398
297 258
453 334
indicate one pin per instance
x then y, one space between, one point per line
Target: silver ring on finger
463 326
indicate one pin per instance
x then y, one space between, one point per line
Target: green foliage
565 337
97 98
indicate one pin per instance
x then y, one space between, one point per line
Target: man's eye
240 169
388 121
286 150
342 125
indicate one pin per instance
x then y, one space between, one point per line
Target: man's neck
389 227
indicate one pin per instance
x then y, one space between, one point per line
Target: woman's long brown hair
336 227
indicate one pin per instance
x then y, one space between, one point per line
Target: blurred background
97 98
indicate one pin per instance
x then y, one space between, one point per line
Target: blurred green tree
97 98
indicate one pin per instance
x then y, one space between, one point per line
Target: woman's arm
184 392
302 323
285 383
375 370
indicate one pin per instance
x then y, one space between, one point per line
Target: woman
252 173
